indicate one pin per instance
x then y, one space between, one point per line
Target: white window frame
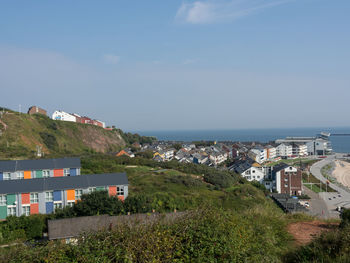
6 176
34 198
70 203
78 194
10 210
57 205
26 210
46 173
66 172
3 200
49 196
120 190
92 189
20 175
78 171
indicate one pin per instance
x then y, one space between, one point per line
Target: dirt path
305 232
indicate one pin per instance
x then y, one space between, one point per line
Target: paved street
334 199
318 206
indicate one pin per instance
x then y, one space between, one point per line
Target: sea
340 144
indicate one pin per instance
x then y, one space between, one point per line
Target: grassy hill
22 133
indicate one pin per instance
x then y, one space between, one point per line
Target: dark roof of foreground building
40 164
62 183
73 227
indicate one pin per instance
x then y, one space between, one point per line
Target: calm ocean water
340 144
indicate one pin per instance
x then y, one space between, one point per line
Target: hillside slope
22 133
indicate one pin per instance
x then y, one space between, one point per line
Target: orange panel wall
112 190
58 172
27 174
70 195
34 209
121 197
26 198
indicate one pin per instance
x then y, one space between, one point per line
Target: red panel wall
58 172
26 198
121 197
112 190
34 209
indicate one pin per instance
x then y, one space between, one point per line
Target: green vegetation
58 138
205 235
131 138
316 186
295 162
22 228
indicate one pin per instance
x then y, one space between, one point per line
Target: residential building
271 152
199 158
217 158
36 110
126 152
284 150
41 168
249 169
63 116
286 179
259 154
44 195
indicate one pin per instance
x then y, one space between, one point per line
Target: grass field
317 186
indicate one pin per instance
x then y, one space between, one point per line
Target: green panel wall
39 174
11 199
3 212
101 188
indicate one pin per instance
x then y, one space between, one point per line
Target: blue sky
162 65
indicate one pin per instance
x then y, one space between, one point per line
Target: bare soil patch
305 232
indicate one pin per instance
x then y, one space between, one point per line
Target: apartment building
44 195
41 168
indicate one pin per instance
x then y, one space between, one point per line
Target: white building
258 154
249 170
284 150
63 116
217 158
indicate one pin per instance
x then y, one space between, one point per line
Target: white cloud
111 59
209 11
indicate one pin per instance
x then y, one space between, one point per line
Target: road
318 206
333 199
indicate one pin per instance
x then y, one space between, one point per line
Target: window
48 196
78 194
78 171
286 179
57 205
6 176
286 185
26 210
20 175
66 172
11 211
3 200
34 198
70 203
92 189
46 173
253 171
120 190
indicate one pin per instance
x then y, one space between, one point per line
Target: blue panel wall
1 177
49 207
73 171
57 195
